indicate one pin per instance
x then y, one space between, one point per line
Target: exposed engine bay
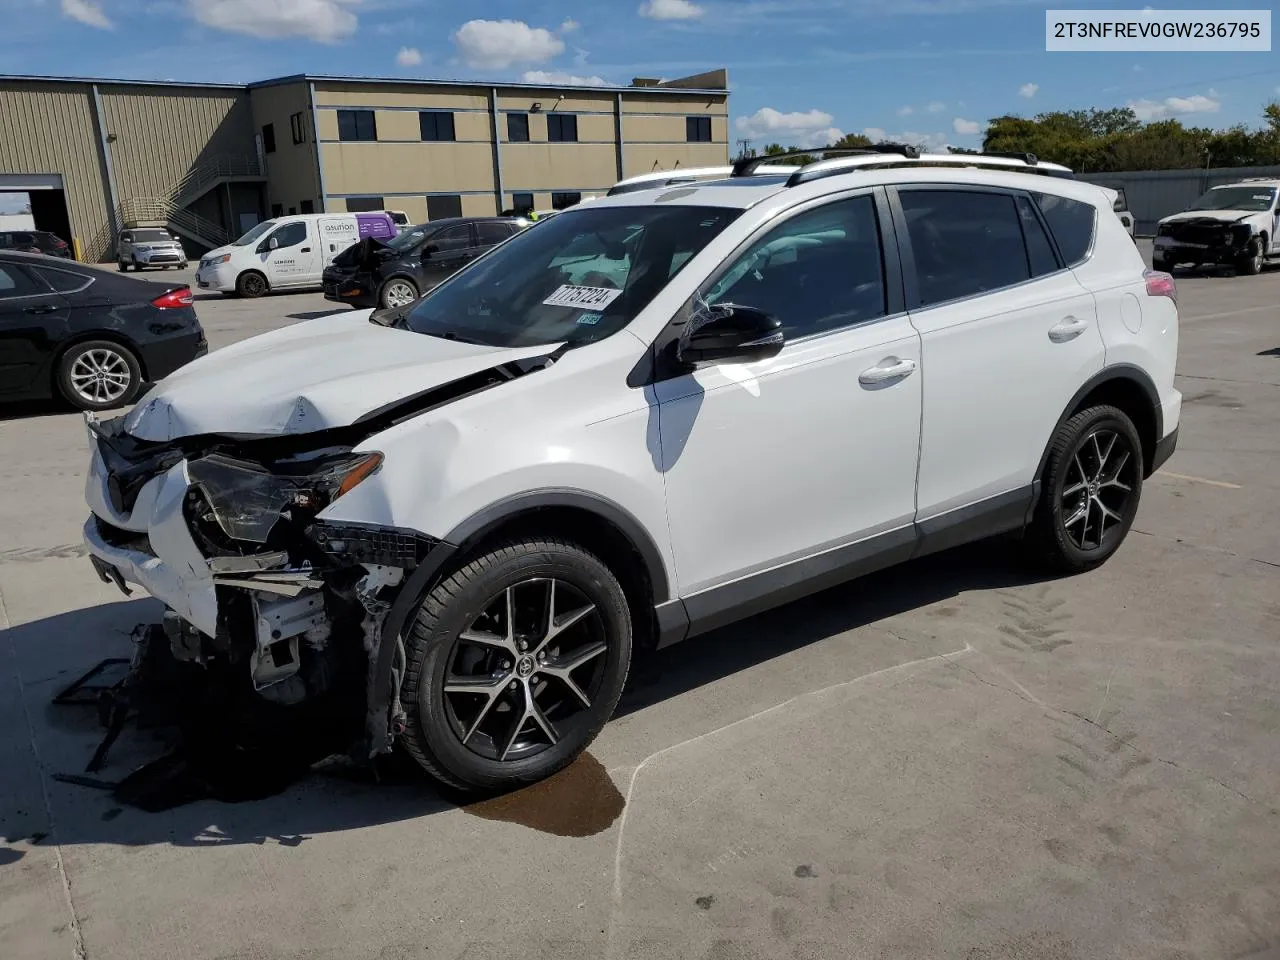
283 605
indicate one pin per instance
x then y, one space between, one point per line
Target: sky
801 72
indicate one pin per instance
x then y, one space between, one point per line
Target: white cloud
324 21
557 79
1147 110
967 128
1028 90
569 25
809 128
906 111
937 106
86 12
930 142
409 57
497 44
670 10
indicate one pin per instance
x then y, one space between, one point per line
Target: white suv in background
648 417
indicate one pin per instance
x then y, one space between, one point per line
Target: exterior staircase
173 211
138 211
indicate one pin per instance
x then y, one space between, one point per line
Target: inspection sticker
589 318
571 296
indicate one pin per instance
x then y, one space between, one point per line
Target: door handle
44 309
890 368
305 250
1067 329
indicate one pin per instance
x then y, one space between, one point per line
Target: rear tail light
1160 284
182 297
60 244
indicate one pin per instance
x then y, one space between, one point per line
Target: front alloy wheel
515 662
398 293
1253 259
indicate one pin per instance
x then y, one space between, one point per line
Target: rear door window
1072 223
964 243
451 239
16 282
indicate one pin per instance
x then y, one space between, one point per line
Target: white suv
645 418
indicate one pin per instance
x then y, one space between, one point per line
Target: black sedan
374 273
90 336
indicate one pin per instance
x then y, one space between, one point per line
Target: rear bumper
1164 450
161 357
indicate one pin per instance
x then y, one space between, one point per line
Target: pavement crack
1200 546
1170 763
1251 383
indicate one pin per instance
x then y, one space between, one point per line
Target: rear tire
99 375
251 284
541 695
122 266
1089 492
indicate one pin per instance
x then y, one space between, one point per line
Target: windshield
578 277
1236 198
410 238
255 233
151 236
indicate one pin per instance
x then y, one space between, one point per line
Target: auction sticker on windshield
570 296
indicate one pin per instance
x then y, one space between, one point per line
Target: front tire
99 375
1089 491
515 663
397 292
251 284
1251 263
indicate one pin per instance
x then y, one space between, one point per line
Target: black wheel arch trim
474 527
1118 371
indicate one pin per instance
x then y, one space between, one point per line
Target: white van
288 253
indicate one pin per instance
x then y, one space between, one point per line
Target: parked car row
35 241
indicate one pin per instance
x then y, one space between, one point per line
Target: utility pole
743 146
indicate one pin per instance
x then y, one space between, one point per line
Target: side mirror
730 333
429 250
273 243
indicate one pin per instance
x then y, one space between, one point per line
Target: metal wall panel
163 132
48 128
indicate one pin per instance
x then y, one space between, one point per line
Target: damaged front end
226 533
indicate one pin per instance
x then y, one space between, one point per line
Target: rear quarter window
1072 223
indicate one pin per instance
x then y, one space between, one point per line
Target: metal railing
204 175
164 210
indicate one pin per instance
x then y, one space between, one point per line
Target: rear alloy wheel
398 292
99 375
251 284
1251 263
515 663
1090 491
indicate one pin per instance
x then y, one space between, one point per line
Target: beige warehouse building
212 159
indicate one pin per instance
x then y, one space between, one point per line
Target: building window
442 207
522 203
357 125
518 127
562 127
436 125
297 127
561 200
292 211
365 204
277 210
307 207
697 129
269 138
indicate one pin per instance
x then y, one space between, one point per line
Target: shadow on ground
338 795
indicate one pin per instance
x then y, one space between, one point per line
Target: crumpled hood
1224 216
313 375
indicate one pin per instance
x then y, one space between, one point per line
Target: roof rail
1030 159
839 166
746 166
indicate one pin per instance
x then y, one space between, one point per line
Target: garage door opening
35 202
